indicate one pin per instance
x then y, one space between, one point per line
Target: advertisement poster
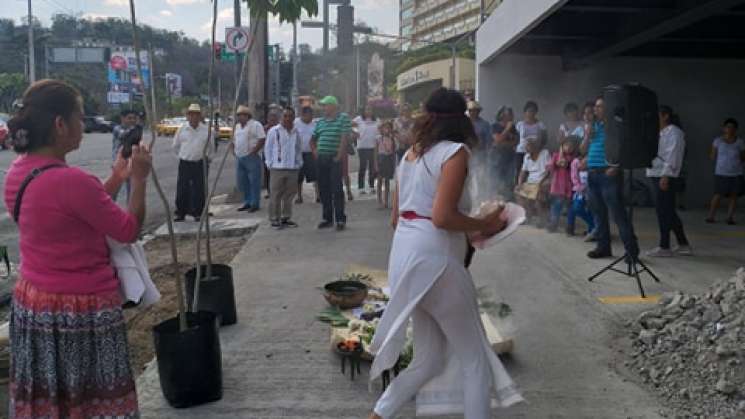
173 85
123 78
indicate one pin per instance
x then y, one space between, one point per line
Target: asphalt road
94 156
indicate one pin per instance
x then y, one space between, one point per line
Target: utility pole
357 73
325 26
238 62
31 61
295 66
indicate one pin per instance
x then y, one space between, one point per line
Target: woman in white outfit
454 369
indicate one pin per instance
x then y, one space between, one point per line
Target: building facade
439 20
692 54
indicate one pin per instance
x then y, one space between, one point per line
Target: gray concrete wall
703 92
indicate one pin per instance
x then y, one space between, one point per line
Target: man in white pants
284 158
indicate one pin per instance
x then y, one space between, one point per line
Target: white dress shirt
306 133
189 142
670 152
283 149
368 130
247 137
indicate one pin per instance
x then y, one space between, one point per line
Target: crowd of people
577 180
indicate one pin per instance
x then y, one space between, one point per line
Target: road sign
236 39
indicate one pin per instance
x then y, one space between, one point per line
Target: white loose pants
443 317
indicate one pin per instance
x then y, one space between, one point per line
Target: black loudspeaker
632 131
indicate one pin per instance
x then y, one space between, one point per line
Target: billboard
173 85
375 76
123 77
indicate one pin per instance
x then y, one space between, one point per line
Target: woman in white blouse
665 177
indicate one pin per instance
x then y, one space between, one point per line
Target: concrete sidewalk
277 363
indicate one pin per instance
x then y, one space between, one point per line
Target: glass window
408 13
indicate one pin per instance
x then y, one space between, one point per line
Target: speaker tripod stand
634 266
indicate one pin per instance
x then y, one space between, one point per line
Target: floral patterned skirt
69 357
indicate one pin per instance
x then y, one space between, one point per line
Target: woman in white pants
454 369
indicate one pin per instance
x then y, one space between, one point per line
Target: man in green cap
330 143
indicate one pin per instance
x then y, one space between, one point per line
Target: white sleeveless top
418 179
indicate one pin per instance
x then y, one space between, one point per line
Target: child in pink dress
561 180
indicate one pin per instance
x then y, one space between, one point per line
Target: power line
54 3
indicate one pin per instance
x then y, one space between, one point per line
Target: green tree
12 86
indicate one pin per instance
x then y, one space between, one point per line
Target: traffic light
218 50
345 31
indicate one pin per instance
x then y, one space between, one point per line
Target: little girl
531 189
561 179
385 161
579 199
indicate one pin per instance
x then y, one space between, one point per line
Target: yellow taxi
225 131
168 127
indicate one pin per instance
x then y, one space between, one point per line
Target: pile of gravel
691 348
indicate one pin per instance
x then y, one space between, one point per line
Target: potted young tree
215 291
187 346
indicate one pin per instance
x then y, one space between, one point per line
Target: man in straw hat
249 141
189 143
330 139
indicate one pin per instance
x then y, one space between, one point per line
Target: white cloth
246 138
283 149
130 264
368 131
536 168
306 133
454 369
528 131
189 142
670 153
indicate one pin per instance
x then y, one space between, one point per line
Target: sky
193 17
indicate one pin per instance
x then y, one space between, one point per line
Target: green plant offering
333 316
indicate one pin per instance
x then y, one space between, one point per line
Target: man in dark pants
605 183
330 138
189 143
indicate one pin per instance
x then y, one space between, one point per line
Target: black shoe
197 219
276 225
318 200
341 226
244 208
253 209
289 223
179 218
325 224
599 254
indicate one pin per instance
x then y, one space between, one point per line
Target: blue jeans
248 173
557 204
579 209
606 195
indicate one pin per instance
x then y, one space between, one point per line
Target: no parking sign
236 39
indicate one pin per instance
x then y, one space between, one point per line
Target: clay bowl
345 294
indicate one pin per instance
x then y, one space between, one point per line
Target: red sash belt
411 215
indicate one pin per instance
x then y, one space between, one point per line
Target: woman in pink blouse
68 338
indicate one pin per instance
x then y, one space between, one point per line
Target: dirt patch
140 322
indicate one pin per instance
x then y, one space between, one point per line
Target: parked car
225 131
4 141
97 124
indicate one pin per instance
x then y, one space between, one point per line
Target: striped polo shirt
596 152
328 133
